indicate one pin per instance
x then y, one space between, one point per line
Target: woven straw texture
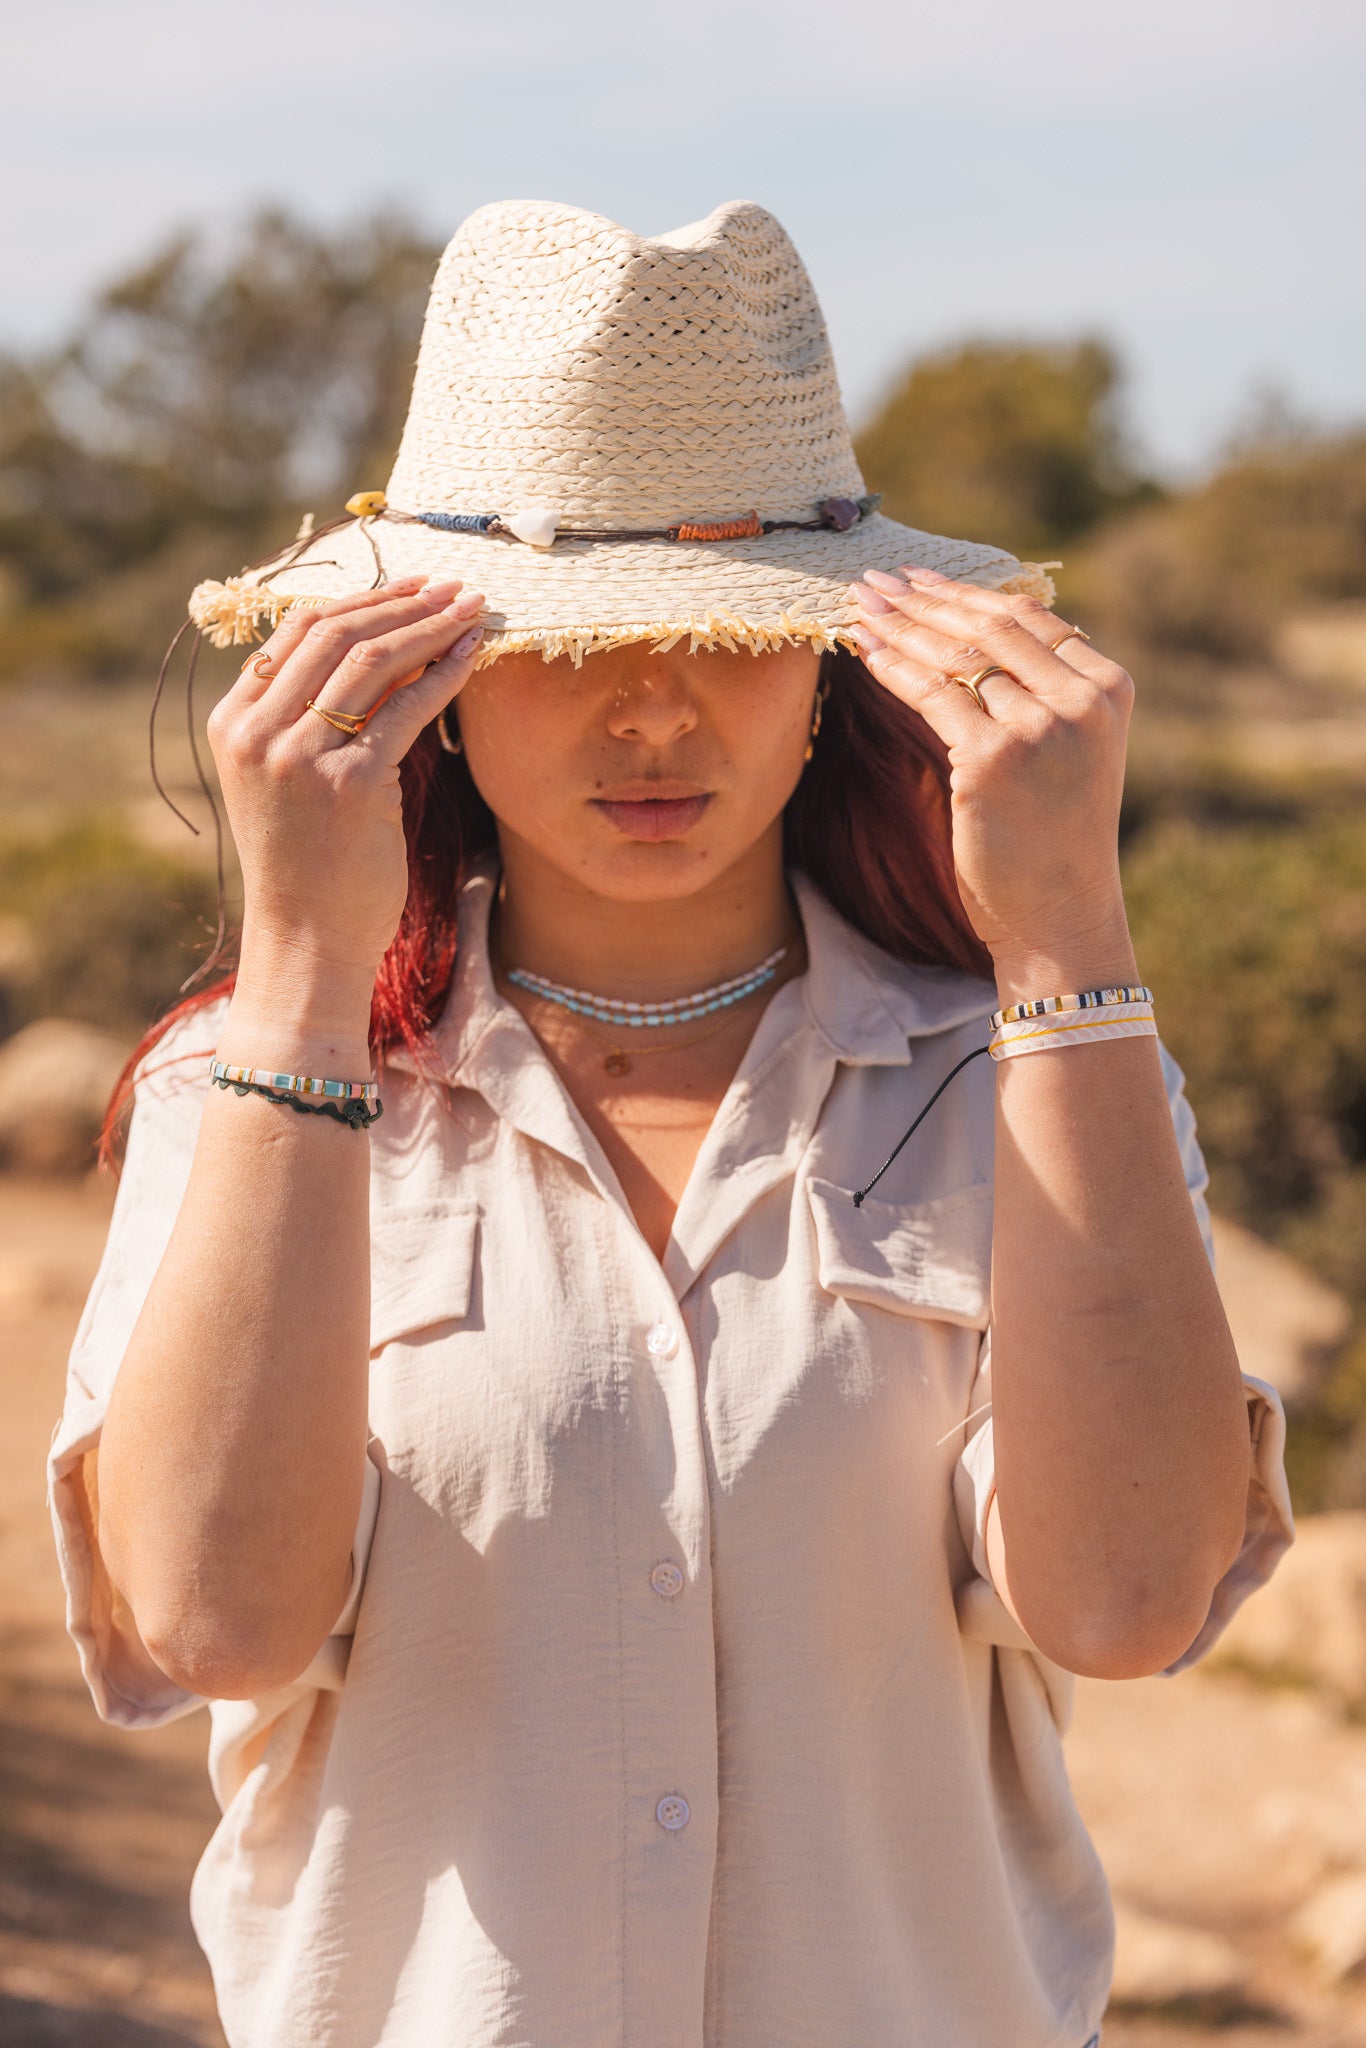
619 382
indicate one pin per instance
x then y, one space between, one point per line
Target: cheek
518 746
765 732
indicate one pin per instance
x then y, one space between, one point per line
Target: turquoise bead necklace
650 1016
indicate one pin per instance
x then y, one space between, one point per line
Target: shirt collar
866 1006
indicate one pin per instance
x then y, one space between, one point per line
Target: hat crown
620 380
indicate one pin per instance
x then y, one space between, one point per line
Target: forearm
232 1459
1120 1424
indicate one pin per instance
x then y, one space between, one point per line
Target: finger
375 670
347 659
260 669
406 711
1057 634
1027 638
947 708
1010 701
1008 628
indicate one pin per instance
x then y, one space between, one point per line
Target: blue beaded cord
459 522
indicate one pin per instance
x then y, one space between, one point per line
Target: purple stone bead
841 513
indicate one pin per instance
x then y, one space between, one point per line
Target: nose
653 705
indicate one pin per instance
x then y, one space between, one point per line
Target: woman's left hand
1037 767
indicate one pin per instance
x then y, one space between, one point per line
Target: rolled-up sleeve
1270 1526
125 1684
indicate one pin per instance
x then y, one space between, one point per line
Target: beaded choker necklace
650 1016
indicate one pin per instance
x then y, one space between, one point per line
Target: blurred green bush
1254 936
99 928
1022 444
212 394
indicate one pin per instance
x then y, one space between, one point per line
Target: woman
662 1636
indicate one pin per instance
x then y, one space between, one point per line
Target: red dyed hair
868 822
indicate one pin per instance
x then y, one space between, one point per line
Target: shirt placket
664 1699
668 1662
667 1699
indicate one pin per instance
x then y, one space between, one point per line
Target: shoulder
172 1083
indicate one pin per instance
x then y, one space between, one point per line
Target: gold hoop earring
448 745
822 692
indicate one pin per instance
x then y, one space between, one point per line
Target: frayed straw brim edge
236 613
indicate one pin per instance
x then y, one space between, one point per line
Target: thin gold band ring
349 722
1072 633
973 684
260 665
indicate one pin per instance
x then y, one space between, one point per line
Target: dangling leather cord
220 937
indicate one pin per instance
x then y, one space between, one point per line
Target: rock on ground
55 1078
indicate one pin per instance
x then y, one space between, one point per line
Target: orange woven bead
721 529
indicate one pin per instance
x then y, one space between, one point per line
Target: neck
549 922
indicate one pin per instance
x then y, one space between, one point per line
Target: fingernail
880 580
441 593
925 576
869 599
403 583
871 642
468 602
467 642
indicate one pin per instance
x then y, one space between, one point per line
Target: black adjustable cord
893 1155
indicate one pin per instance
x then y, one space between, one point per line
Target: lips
653 816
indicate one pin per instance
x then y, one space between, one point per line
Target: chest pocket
926 1258
421 1268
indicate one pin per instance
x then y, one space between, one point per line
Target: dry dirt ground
1216 1805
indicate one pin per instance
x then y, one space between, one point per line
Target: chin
660 872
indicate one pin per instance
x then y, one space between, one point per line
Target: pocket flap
928 1258
421 1268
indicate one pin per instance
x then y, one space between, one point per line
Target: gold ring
261 665
972 684
1072 633
349 722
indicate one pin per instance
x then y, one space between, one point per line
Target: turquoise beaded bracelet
294 1084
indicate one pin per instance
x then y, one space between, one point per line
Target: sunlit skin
1121 1436
639 801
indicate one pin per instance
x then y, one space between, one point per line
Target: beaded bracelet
354 1103
295 1084
1111 1020
1089 999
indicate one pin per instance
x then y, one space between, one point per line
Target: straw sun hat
618 438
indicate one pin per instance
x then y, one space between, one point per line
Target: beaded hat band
658 423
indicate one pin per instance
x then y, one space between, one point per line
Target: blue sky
1187 179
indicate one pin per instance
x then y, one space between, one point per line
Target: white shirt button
662 1341
673 1811
667 1580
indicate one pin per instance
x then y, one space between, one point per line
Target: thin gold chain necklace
617 1061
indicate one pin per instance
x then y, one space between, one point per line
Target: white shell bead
535 525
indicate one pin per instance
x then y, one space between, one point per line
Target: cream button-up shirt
672 1706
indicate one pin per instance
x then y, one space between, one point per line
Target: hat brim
581 595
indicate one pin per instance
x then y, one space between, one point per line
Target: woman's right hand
317 815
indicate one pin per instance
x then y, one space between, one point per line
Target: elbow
216 1660
1125 1635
